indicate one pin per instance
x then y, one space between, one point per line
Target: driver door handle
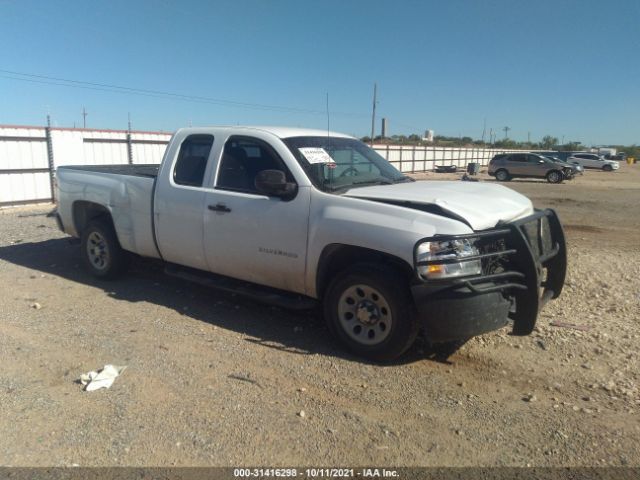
219 207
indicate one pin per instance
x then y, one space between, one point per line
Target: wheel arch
502 169
84 212
337 257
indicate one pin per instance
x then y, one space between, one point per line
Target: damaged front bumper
524 265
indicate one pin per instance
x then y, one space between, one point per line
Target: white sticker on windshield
316 155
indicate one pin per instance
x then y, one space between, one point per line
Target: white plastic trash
103 379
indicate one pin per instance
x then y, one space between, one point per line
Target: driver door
536 166
249 235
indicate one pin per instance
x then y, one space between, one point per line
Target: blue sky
568 68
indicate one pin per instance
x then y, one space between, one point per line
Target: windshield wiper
383 181
378 181
404 179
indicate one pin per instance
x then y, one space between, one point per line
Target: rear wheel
101 252
554 176
607 168
370 310
502 175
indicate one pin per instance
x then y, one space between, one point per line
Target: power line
149 93
112 88
66 82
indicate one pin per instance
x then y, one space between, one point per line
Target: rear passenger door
586 160
179 201
517 164
249 235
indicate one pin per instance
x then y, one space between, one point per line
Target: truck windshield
334 163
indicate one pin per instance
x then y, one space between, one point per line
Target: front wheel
370 310
607 168
554 176
101 252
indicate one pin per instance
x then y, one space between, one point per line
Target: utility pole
506 132
84 118
491 136
528 137
484 129
51 163
373 114
129 142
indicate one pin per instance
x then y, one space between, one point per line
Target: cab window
242 159
192 160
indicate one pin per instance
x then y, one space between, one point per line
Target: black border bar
393 473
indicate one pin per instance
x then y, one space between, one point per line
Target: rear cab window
192 160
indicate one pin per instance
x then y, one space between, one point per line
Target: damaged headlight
447 259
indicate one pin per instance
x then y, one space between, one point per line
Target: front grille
493 264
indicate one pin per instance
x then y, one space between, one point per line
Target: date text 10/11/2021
315 472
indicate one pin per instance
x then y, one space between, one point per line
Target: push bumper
524 266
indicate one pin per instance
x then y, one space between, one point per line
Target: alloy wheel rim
364 315
97 251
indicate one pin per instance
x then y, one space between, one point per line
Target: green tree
571 147
548 142
507 143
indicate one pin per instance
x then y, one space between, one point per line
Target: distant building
384 128
428 136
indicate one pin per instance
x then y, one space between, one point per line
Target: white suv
592 160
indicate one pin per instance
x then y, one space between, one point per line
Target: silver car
592 160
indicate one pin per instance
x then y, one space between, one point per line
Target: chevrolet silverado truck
305 218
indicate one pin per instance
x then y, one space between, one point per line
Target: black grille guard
536 254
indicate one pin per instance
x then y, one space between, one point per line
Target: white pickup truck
299 218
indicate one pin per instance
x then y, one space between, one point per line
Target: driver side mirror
274 183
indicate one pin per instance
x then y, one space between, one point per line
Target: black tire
101 252
502 175
607 168
554 176
389 323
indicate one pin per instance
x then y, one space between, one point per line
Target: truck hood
481 205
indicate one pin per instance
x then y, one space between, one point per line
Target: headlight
453 252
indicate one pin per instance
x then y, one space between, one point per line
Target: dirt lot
213 380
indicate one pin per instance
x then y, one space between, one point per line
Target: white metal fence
30 155
416 159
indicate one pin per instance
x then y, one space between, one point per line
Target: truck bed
126 191
130 170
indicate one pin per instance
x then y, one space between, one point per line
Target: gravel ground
215 380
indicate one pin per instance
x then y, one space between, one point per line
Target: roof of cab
280 132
